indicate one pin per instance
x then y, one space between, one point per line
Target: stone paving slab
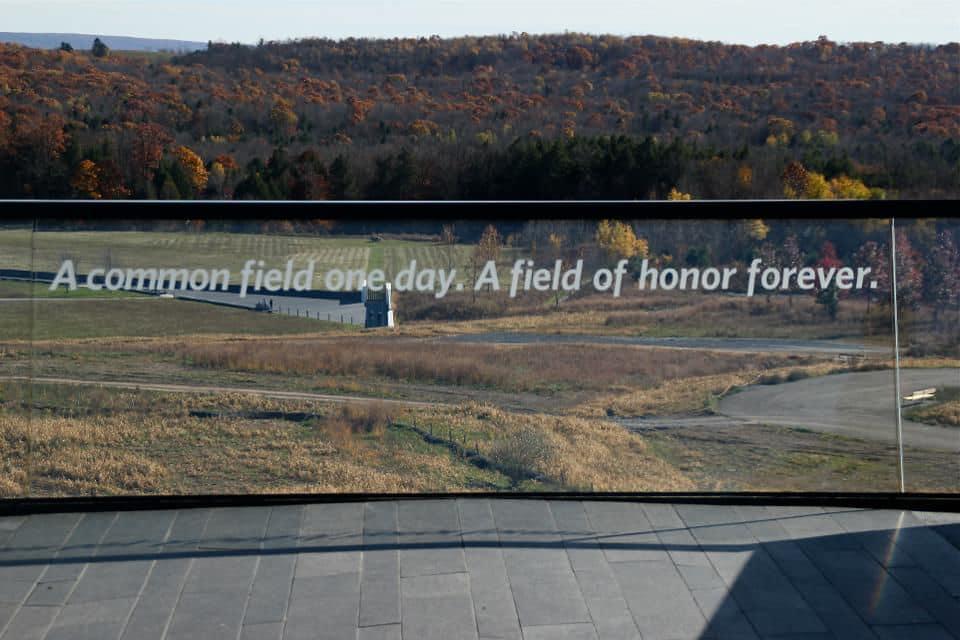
482 569
380 582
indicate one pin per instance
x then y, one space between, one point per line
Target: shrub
413 307
522 452
370 418
770 378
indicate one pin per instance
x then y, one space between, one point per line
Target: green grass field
128 249
142 317
428 255
89 249
26 290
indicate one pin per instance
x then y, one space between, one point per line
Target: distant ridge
85 41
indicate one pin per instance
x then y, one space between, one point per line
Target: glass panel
16 317
928 290
785 387
604 355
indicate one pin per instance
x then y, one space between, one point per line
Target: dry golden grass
562 322
129 442
947 413
586 454
650 313
945 410
11 487
511 368
79 456
929 362
691 395
657 313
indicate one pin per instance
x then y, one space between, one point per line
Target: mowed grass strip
536 368
142 317
398 255
89 249
129 249
26 290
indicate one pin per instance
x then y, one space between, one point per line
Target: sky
732 21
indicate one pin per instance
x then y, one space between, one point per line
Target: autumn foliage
576 115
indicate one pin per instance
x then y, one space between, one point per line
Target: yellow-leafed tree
757 229
283 119
817 187
847 188
619 241
193 167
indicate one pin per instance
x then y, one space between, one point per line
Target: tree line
518 116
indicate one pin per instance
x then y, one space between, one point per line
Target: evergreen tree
341 185
99 49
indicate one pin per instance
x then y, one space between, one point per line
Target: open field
521 377
647 313
83 441
81 313
777 458
90 441
19 290
142 316
522 368
451 400
89 249
692 314
547 429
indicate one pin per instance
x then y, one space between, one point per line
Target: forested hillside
563 116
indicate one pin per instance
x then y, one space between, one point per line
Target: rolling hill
85 41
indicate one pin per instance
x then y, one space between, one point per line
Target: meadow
416 408
142 316
66 440
557 369
78 441
210 250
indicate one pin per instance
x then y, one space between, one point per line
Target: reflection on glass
594 355
928 303
16 317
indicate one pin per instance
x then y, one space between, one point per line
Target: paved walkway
858 405
450 569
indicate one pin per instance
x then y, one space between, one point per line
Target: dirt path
196 388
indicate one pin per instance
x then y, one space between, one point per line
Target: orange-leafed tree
41 137
193 168
86 180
